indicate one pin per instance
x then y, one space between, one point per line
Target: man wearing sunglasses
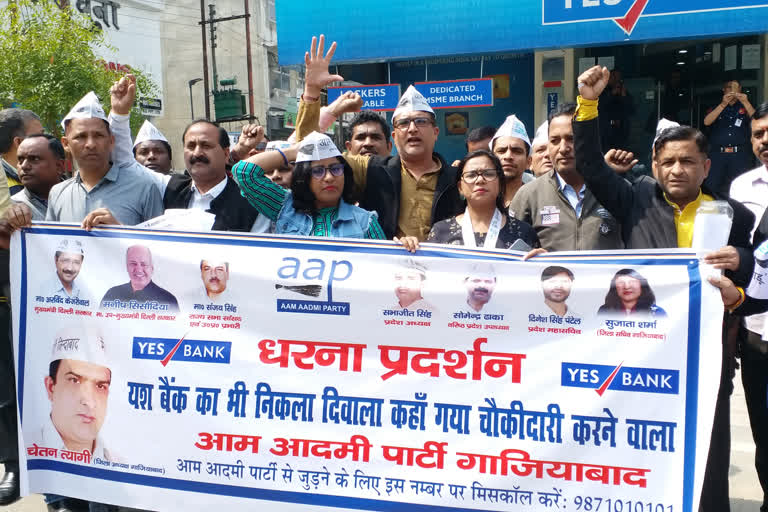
411 190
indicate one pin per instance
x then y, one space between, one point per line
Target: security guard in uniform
729 137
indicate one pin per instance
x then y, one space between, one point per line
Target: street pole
191 104
205 61
248 58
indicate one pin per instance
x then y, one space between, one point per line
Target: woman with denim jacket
318 202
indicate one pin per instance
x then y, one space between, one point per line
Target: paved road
746 494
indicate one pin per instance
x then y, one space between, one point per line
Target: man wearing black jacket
411 190
205 185
660 214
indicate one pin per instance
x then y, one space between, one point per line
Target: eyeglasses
318 172
405 122
472 176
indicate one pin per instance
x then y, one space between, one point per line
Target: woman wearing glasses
484 223
318 202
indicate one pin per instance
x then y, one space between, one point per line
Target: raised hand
316 75
123 94
250 137
348 102
593 81
620 161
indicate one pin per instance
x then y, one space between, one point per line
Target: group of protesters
561 191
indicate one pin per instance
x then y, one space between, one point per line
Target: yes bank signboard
461 27
627 13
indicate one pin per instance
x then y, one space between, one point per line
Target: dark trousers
714 492
9 443
725 167
754 377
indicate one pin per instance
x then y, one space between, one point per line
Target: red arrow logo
170 355
628 22
608 381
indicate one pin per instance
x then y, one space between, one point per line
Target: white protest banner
166 370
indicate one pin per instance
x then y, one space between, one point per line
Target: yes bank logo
625 13
620 378
193 351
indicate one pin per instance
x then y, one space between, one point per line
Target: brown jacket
541 204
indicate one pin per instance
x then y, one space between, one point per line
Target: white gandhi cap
316 146
512 127
81 344
147 132
663 124
69 245
542 134
278 144
412 101
88 107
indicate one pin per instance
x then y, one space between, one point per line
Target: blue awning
404 29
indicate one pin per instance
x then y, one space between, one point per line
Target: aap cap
663 124
316 146
482 270
542 134
512 127
88 107
149 132
71 246
81 344
412 101
413 265
278 144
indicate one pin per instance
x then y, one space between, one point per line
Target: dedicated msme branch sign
458 93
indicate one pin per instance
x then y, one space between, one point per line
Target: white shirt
200 296
568 312
751 190
203 201
50 438
417 304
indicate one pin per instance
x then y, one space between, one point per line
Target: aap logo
602 378
310 278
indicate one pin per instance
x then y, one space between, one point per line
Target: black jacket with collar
232 210
382 192
647 219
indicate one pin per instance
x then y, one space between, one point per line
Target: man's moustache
196 159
